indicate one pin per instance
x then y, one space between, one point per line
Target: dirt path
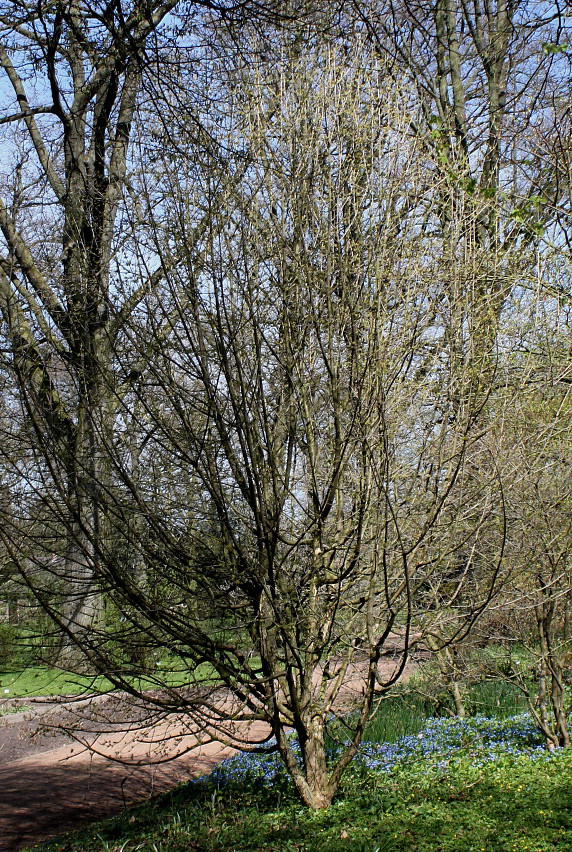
50 783
66 787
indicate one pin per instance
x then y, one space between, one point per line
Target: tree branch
29 268
28 116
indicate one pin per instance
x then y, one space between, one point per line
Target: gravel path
51 782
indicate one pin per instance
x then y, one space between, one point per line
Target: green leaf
549 48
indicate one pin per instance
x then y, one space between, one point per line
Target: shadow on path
45 795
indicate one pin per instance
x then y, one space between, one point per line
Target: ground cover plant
480 784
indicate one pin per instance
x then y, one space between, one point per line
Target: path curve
51 783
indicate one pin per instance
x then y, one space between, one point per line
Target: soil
113 756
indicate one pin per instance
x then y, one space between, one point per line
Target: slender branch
29 268
27 113
18 116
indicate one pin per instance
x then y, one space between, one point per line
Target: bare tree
262 454
295 419
536 604
76 261
492 82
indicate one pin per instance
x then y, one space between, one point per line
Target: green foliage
550 48
10 649
495 698
396 717
20 646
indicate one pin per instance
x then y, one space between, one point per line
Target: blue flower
441 741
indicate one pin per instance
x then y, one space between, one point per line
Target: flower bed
440 742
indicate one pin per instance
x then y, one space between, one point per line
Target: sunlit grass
39 681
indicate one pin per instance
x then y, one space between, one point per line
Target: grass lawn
477 785
37 681
32 681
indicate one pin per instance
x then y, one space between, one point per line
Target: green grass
514 804
396 717
37 681
40 681
496 698
400 715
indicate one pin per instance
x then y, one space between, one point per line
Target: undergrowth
473 785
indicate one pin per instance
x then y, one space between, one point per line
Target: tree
537 602
75 261
277 456
294 416
491 82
